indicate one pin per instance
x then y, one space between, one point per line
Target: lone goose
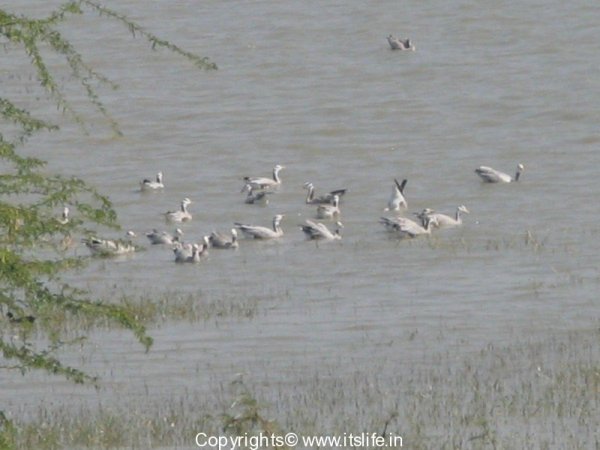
220 240
258 232
397 199
399 44
443 220
264 182
64 219
317 230
322 199
329 211
110 247
256 197
162 237
147 184
404 227
490 175
182 215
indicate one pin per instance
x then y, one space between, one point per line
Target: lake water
314 86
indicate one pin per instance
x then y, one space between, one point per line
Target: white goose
399 44
264 182
64 219
397 199
182 251
490 175
110 247
258 232
317 230
147 184
329 211
220 240
183 215
443 220
404 227
256 197
311 199
191 253
162 237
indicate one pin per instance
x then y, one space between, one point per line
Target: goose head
520 168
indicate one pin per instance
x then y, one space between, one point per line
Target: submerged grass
542 395
151 310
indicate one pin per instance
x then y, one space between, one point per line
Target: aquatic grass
150 311
535 395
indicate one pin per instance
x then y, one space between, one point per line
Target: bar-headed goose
163 237
404 227
220 240
182 251
400 44
110 247
146 184
329 211
312 199
443 220
191 253
490 175
64 219
317 230
397 199
183 215
264 182
255 197
258 232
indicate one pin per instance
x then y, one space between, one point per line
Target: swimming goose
397 199
182 251
408 228
490 175
264 182
147 184
256 198
322 199
187 253
220 240
162 237
399 44
64 219
317 230
110 247
443 220
327 211
182 215
258 232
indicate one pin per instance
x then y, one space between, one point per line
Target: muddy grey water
315 87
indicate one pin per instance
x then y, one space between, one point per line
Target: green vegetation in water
147 310
32 237
543 395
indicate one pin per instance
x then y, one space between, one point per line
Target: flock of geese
258 190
